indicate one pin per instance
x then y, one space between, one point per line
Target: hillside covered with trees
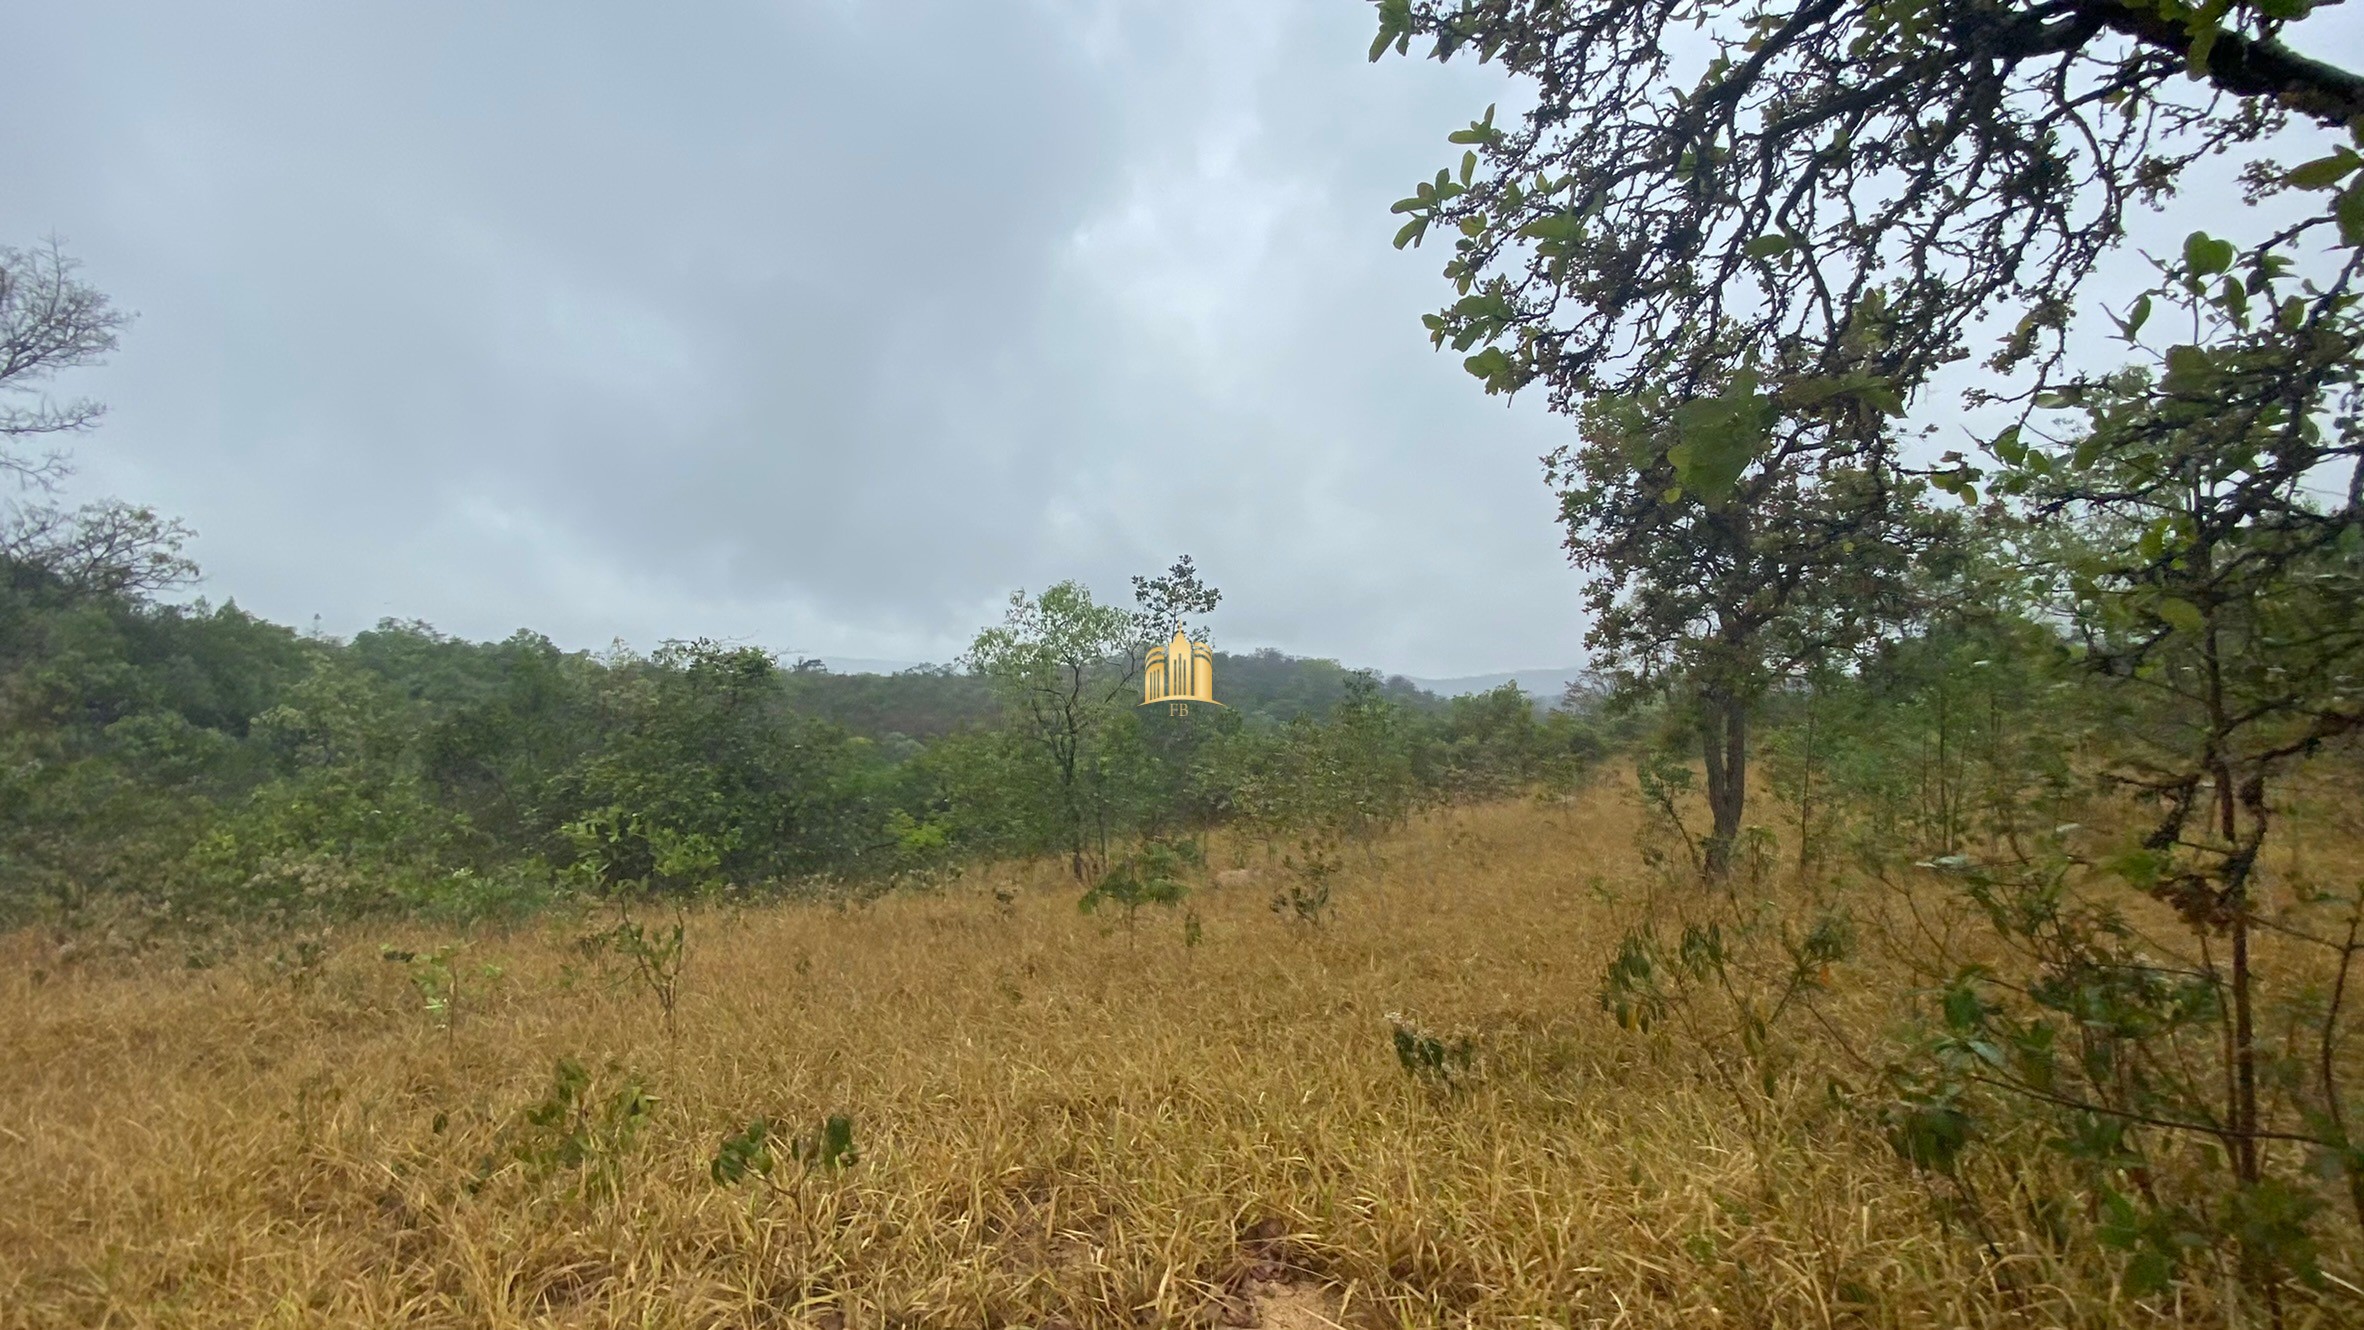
181 763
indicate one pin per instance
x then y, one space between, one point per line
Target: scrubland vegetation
1413 1109
174 772
1944 911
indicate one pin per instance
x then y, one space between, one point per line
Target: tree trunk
1723 741
1071 804
1806 784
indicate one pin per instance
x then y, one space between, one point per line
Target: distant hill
860 664
1547 684
916 701
1284 687
880 698
1543 684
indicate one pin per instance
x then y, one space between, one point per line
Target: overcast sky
818 325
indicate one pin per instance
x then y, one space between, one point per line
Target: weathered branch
2241 65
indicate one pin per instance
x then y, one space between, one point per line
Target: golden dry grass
1061 1124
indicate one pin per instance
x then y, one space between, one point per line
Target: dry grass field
1060 1122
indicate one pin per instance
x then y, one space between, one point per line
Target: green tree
1171 600
1742 280
1964 159
993 791
507 750
701 743
2213 578
1493 744
343 825
1803 552
1346 776
1064 665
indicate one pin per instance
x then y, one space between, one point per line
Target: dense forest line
929 701
193 764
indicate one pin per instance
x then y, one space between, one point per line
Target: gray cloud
820 325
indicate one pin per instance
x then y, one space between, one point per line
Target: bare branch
49 321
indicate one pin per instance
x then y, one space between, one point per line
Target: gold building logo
1179 673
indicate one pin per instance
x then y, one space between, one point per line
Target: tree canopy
1839 193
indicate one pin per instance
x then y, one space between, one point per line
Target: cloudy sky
812 323
820 325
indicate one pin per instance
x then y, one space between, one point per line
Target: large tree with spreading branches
1959 158
1737 237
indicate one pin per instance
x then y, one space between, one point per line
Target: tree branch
2243 66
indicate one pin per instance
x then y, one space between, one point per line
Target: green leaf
742 1154
1930 1134
2323 172
1395 27
1468 166
2349 210
2148 1272
2233 299
1479 132
1882 398
1412 230
2180 614
1494 367
1813 390
1768 245
1963 1009
2140 868
1720 436
2136 317
2190 369
2205 255
1563 226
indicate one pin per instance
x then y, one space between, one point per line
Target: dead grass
1061 1125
